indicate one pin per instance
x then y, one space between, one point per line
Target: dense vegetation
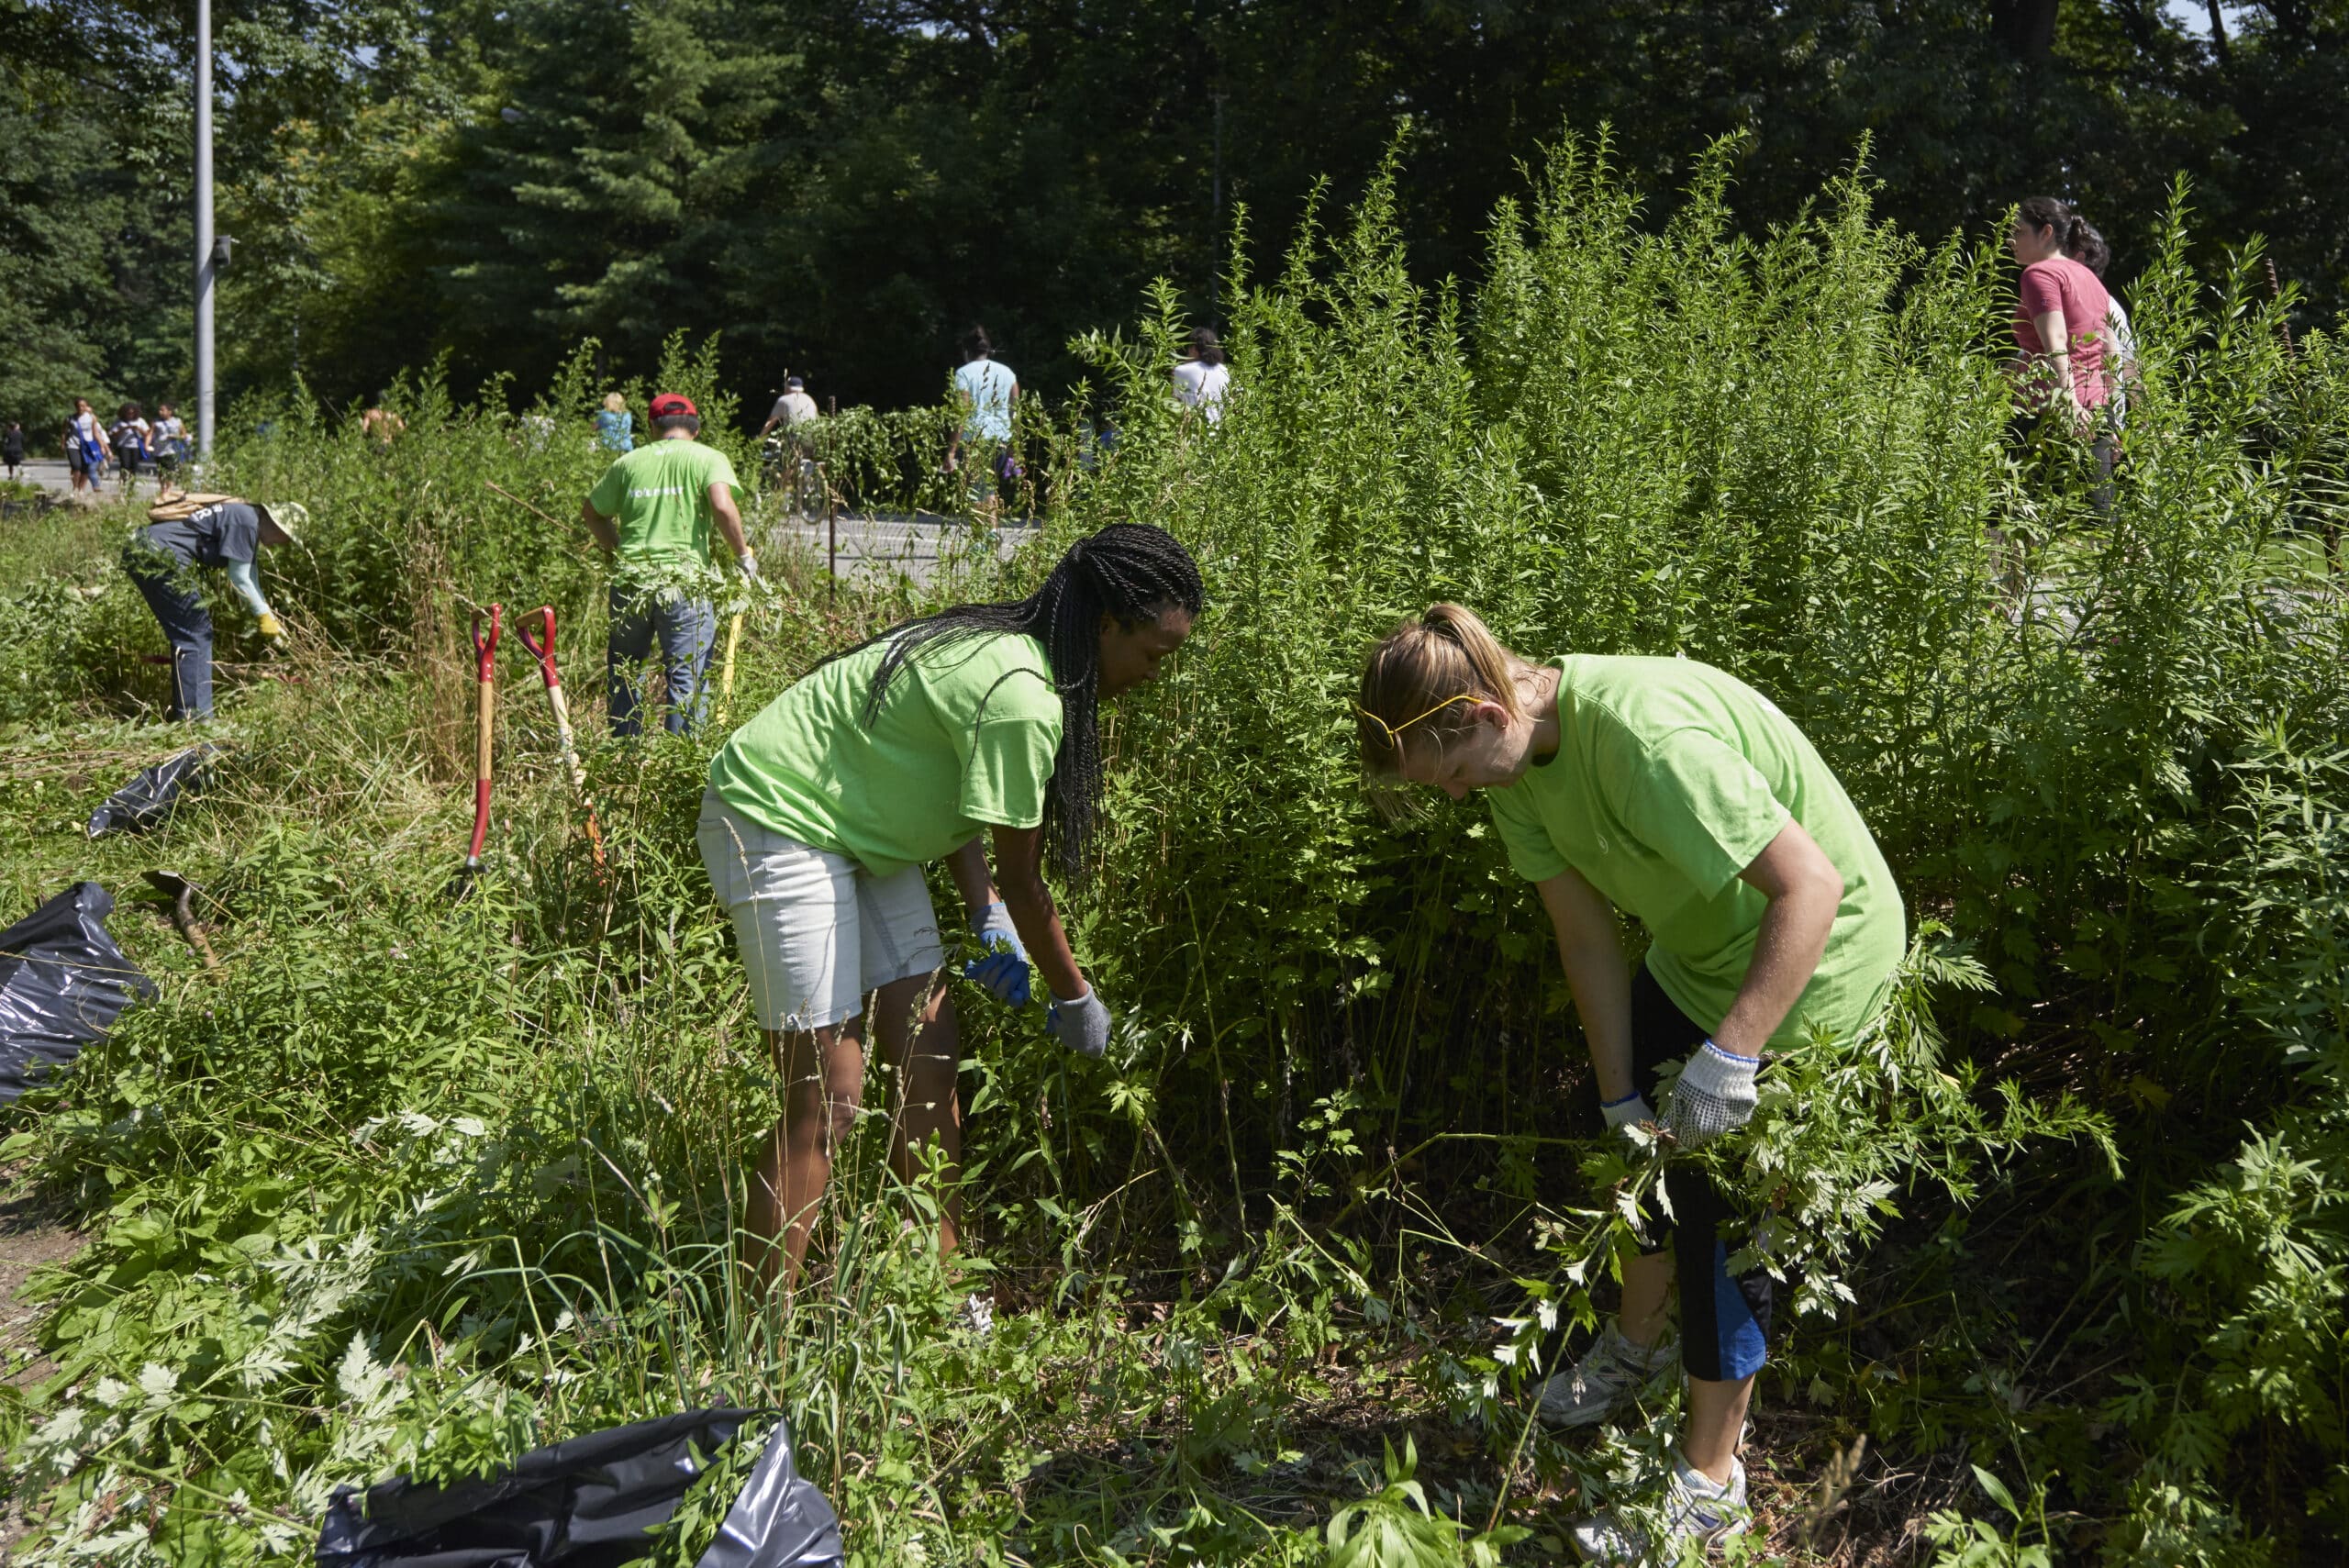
407 1186
840 186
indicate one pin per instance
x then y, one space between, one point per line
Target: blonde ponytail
1416 678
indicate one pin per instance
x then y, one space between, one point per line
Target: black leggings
1725 1318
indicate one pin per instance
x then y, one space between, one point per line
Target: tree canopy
838 187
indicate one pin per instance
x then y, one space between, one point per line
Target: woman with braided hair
1680 795
977 721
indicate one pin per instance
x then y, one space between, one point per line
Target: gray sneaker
1696 1508
1609 1375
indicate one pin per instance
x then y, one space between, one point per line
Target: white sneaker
1695 1508
1609 1375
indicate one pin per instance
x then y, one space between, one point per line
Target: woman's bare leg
1647 1298
915 1032
823 1080
1716 1417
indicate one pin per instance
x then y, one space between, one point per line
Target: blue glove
1082 1024
1003 966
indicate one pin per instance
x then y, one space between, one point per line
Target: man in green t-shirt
652 510
1676 794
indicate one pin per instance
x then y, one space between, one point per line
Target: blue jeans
685 628
187 625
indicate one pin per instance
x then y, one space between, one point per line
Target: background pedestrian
130 437
169 440
85 447
2060 309
12 448
988 392
2088 247
794 407
1201 377
615 426
380 425
790 458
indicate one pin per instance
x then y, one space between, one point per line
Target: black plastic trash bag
779 1519
149 798
589 1503
62 984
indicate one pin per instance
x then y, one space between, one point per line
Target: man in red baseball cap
652 510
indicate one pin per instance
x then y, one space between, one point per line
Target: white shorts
816 932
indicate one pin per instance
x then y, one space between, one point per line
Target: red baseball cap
668 405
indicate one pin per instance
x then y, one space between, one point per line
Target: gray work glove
1715 1094
750 565
1082 1024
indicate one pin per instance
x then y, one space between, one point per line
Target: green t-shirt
964 740
1669 778
659 496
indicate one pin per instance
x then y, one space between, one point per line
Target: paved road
50 474
880 545
873 545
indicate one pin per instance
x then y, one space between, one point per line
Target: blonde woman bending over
1678 794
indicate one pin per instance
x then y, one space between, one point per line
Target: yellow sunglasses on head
1395 731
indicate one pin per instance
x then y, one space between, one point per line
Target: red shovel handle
542 651
485 653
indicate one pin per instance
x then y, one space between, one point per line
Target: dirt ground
30 1236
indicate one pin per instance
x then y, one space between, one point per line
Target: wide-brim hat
288 518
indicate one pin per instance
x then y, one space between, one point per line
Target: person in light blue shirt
988 393
987 390
615 426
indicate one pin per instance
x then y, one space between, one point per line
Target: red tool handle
485 653
542 651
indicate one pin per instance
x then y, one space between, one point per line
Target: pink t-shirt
2062 284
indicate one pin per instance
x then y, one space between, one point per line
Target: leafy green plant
1978 1543
1395 1528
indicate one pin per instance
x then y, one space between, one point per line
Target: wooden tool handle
563 737
481 762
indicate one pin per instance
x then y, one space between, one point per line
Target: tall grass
405 1186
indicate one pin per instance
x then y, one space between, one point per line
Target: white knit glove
1629 1111
1715 1094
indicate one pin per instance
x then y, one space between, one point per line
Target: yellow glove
271 629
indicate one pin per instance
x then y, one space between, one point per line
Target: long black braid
1130 571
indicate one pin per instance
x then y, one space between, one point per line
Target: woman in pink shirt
2060 308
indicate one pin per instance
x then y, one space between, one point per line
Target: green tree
606 194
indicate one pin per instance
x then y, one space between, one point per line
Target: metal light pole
207 269
1215 227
